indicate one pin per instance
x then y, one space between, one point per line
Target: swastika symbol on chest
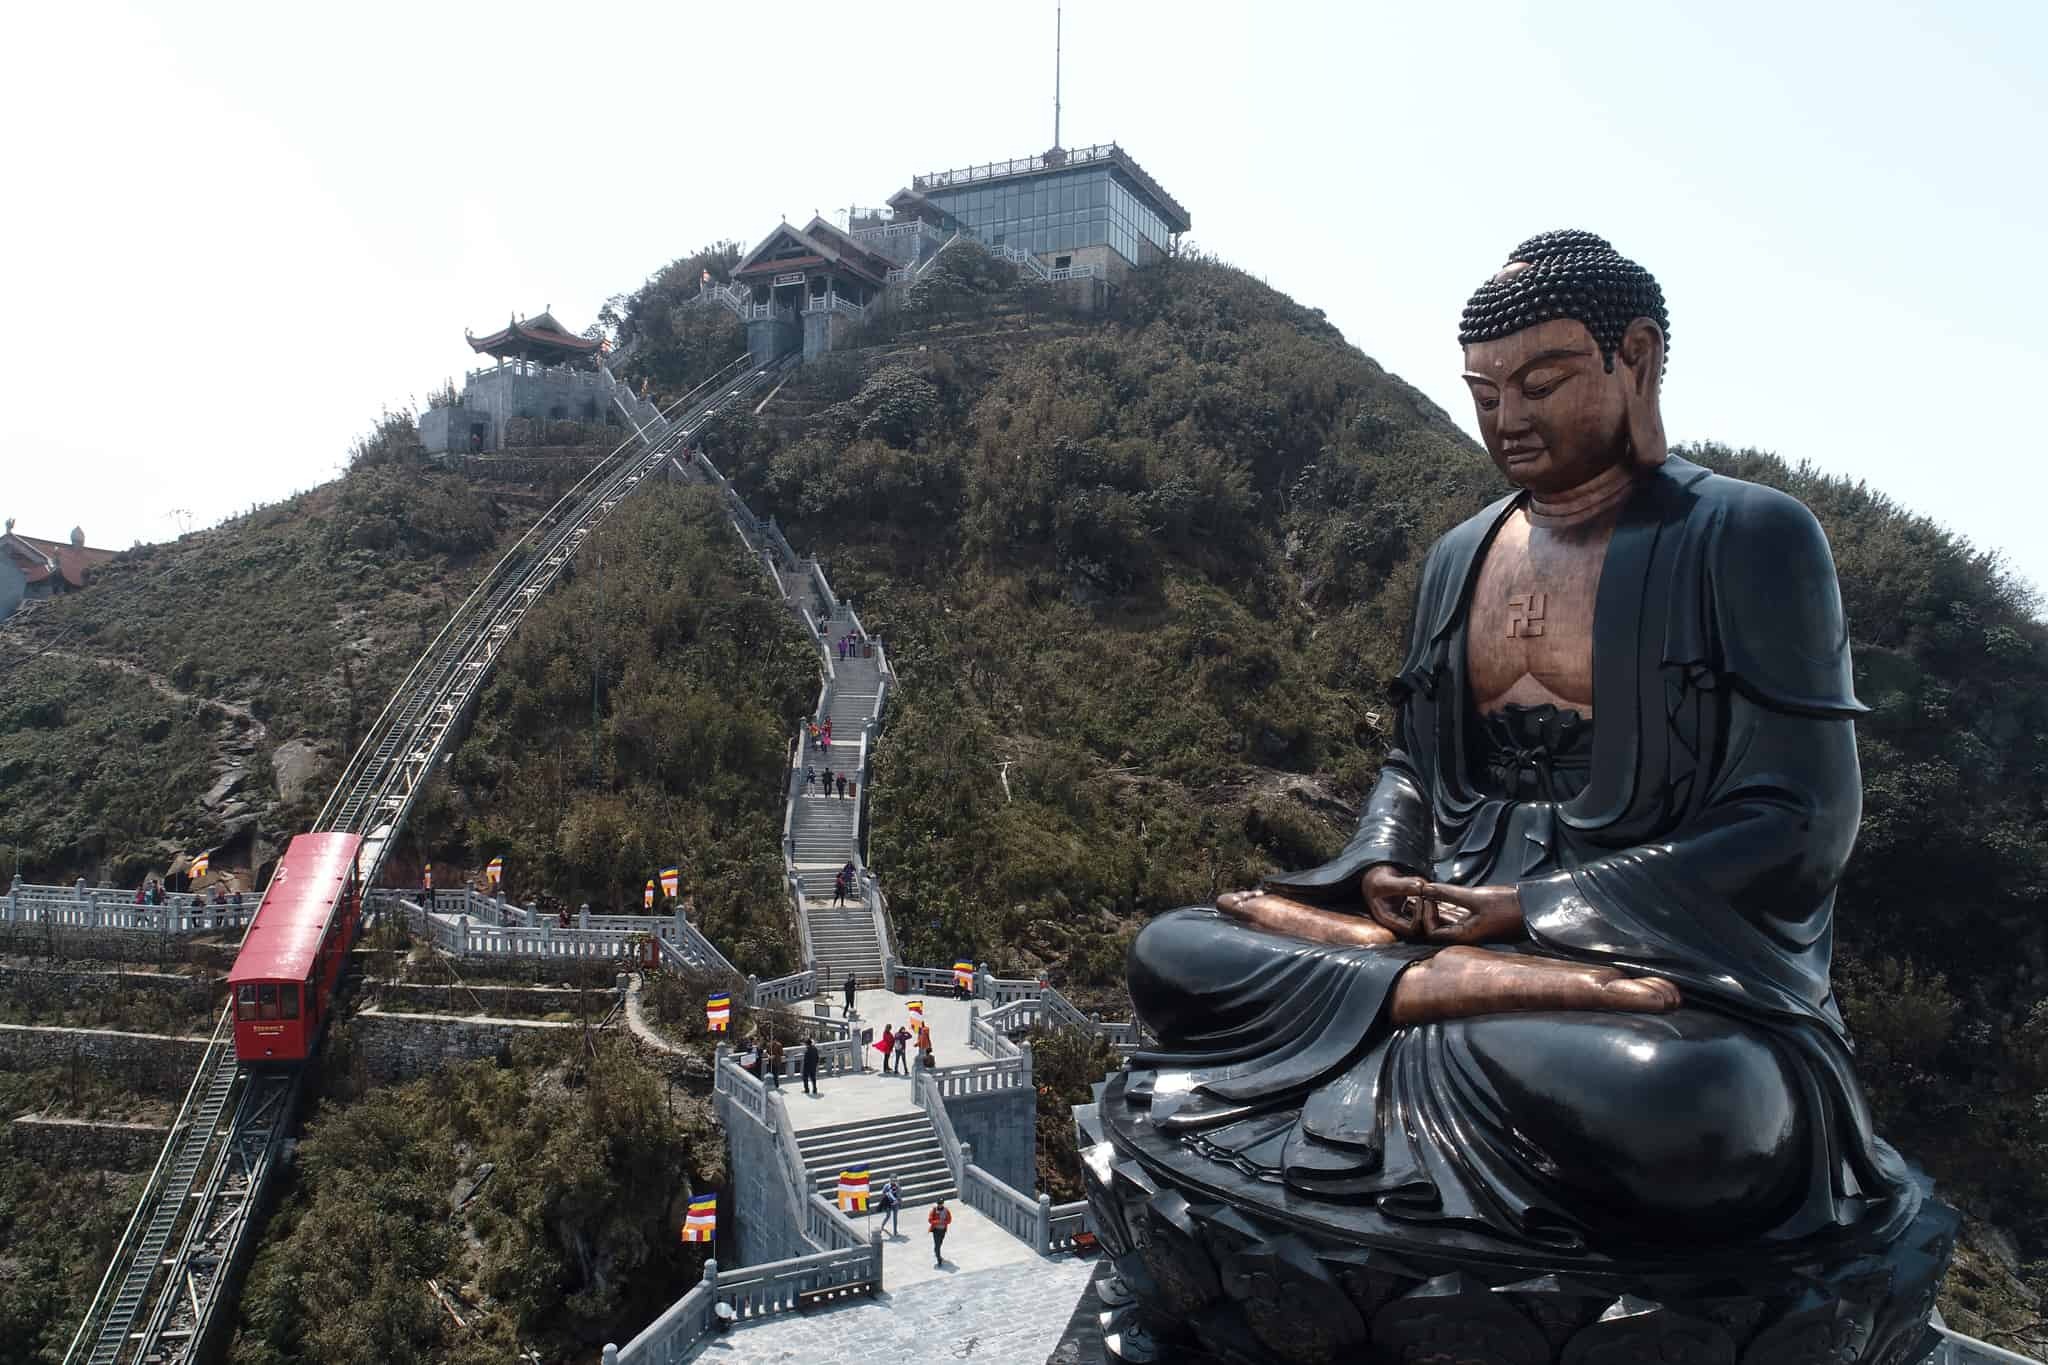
1525 614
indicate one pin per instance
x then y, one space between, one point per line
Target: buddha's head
1564 354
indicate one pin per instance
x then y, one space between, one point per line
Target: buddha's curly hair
1570 274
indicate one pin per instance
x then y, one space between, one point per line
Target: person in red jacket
941 1219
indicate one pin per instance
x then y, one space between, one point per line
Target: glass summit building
1092 210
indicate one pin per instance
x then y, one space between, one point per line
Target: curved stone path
636 1021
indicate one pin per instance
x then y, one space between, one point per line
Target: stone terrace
1012 1315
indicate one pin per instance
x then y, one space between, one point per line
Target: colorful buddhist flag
199 866
963 975
718 1012
671 878
853 1191
495 870
647 897
916 1008
701 1222
427 876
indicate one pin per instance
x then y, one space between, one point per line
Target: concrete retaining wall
151 1063
87 1144
62 987
113 945
765 1224
397 1047
1003 1126
496 1001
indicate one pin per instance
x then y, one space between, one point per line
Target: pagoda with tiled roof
540 339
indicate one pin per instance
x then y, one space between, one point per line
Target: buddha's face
1551 414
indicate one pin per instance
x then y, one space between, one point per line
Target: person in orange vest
941 1219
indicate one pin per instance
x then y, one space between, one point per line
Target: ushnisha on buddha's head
1564 354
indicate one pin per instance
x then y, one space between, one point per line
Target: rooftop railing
1056 160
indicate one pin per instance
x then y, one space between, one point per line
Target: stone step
909 1118
924 1163
834 1151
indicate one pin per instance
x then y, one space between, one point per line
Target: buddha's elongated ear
1642 353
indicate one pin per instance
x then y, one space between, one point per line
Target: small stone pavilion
543 371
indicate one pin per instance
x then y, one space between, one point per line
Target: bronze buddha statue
1564 997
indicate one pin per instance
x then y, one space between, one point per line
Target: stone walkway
871 1095
1015 1315
636 1020
974 1244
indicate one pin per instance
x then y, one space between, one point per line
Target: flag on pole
671 878
963 975
853 1191
427 876
199 866
495 870
916 1008
647 897
718 1012
701 1222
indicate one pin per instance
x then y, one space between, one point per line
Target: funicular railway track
183 1248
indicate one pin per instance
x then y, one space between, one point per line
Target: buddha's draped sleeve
1396 824
1735 897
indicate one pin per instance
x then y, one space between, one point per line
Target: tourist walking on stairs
892 1209
941 1219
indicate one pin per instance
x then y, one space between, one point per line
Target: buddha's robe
1697 833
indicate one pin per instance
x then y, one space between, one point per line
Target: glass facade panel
1061 212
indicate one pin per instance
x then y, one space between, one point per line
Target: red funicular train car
283 980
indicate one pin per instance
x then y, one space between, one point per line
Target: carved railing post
1044 1241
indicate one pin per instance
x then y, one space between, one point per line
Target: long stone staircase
825 829
900 1147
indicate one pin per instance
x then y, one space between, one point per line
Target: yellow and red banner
963 975
199 866
647 897
494 871
853 1191
916 1008
427 877
701 1223
718 1013
671 878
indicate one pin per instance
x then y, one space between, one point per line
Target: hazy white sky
230 234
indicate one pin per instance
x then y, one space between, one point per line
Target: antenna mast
1056 19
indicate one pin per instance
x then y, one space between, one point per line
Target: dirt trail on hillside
169 689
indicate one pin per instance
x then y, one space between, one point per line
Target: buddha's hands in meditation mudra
1463 980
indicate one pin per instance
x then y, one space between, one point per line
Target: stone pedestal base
1238 1272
